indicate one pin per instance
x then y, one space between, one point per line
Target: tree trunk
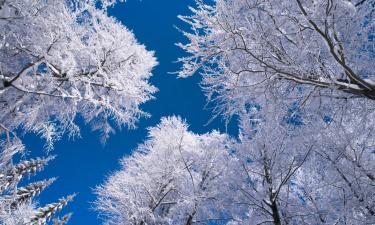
189 220
275 213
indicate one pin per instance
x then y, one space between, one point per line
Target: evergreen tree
17 205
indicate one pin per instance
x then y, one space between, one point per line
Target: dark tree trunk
275 213
189 220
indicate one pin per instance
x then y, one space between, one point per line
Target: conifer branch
45 214
15 173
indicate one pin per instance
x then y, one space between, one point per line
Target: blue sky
84 163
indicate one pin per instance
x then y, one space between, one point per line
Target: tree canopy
297 76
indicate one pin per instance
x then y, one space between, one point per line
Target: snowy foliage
175 177
294 175
247 47
17 204
60 59
19 216
274 174
300 76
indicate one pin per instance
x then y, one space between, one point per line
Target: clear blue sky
84 163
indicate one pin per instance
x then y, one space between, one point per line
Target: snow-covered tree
60 59
175 177
17 204
269 155
251 44
306 67
288 174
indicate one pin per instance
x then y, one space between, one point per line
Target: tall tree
60 59
316 56
175 177
288 174
306 69
270 155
